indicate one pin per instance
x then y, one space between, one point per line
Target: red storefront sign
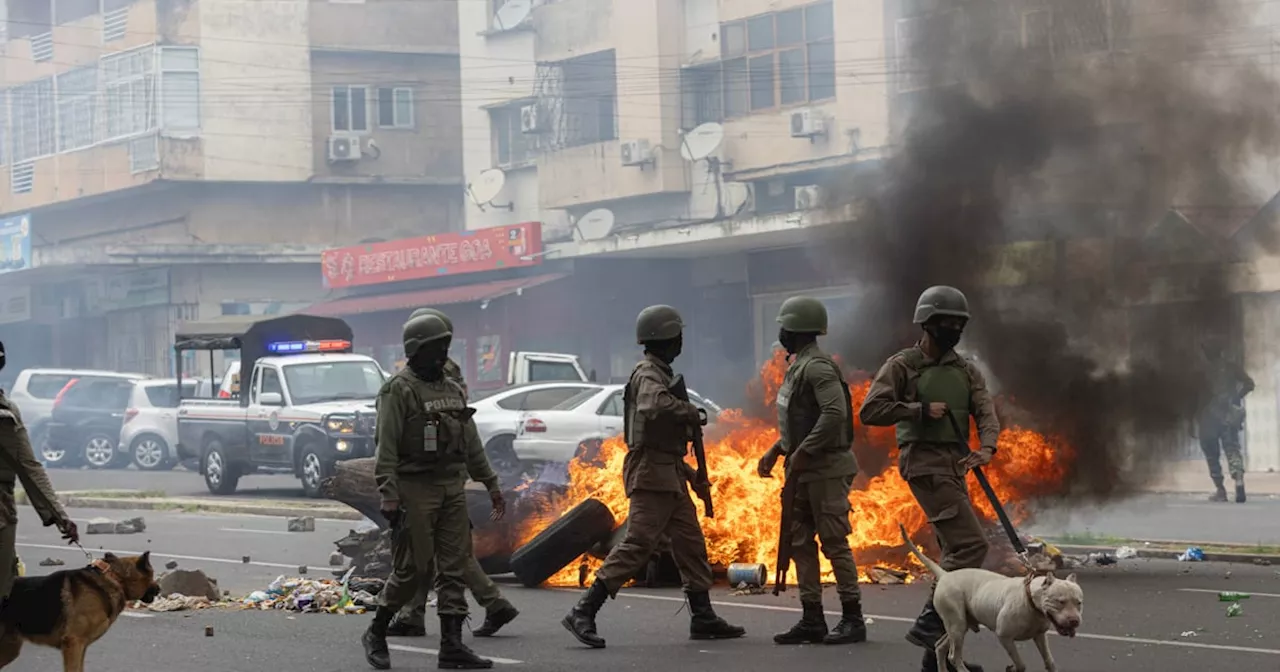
429 256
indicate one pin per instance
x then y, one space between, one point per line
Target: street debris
179 602
302 569
1262 562
1229 596
108 526
743 589
1192 554
244 559
171 565
131 526
1189 633
350 596
208 631
51 562
302 524
369 549
337 559
886 576
1102 559
1043 555
1235 610
100 526
192 582
1126 552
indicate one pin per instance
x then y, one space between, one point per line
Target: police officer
410 621
815 420
427 447
1222 417
658 427
18 461
916 390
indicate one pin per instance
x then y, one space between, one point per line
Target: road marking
198 558
899 619
246 529
134 614
1206 590
436 652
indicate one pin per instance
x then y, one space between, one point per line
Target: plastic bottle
1232 597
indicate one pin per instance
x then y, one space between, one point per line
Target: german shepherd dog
71 609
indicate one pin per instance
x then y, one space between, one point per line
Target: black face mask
788 341
428 363
945 338
667 351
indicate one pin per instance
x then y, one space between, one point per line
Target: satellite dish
512 14
701 141
487 185
595 224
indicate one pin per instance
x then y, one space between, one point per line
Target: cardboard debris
886 576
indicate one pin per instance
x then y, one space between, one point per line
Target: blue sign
15 243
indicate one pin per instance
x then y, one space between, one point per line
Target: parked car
149 436
35 390
590 416
498 416
85 424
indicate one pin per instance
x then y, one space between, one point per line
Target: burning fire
747 507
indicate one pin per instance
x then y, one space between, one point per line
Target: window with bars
77 107
350 107
776 60
33 120
128 83
179 88
1077 28
395 107
511 146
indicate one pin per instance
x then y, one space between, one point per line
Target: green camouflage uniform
1222 418
14 442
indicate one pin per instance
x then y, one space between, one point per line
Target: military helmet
432 311
424 329
658 323
803 315
941 300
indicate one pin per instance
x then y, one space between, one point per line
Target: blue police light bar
298 347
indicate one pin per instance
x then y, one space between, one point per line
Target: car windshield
332 381
576 400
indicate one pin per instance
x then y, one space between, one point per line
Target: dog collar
1026 590
105 569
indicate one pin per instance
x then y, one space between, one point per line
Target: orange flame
747 520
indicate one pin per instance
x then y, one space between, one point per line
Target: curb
206 506
1161 553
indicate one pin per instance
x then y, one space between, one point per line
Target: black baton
986 487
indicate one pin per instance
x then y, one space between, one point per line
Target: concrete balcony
594 173
570 28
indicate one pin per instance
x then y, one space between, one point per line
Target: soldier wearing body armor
18 462
815 421
1222 417
658 427
916 390
411 620
427 447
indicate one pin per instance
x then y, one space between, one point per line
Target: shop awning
419 298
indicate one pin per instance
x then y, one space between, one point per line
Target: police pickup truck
308 403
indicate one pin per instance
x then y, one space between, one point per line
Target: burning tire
564 541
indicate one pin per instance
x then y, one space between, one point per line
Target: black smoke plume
1092 135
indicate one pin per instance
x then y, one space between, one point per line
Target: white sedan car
498 416
593 415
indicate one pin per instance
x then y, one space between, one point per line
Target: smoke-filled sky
1011 145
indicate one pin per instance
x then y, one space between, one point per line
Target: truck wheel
312 470
220 475
564 541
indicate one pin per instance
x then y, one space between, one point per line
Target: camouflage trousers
1216 441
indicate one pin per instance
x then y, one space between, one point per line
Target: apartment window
777 60
511 146
77 107
128 83
180 88
589 99
33 120
395 107
350 109
1077 28
701 96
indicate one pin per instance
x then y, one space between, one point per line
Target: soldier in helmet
1221 418
427 447
658 427
815 420
411 620
916 390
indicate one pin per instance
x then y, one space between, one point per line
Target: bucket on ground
753 574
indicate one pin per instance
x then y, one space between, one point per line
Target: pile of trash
346 596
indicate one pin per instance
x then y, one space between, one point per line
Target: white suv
150 432
36 389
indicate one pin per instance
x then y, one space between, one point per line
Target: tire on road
220 475
145 449
564 541
313 469
101 451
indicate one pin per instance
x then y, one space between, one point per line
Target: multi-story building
170 161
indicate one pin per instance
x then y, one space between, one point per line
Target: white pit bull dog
1016 609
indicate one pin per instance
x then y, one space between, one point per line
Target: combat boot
928 627
375 640
930 664
811 629
405 627
1240 490
705 623
852 628
581 620
454 655
1220 492
501 614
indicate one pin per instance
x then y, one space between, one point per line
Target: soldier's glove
69 531
499 505
764 468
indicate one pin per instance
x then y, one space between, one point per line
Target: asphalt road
1155 517
1139 615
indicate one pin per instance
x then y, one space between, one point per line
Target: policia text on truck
305 403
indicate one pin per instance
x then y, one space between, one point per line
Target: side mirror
591 377
271 399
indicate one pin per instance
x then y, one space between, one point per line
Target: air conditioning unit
344 148
808 197
635 152
531 119
806 123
